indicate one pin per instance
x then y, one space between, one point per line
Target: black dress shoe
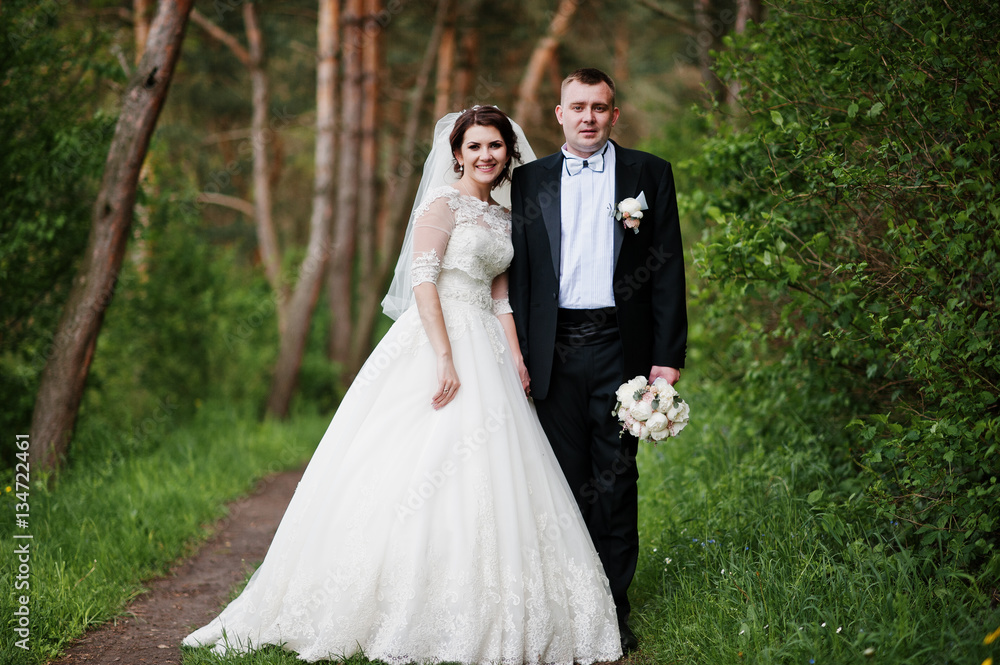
629 641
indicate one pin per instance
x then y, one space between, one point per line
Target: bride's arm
431 233
501 307
429 307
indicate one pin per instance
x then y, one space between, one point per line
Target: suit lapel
552 208
626 180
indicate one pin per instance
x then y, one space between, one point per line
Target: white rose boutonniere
630 211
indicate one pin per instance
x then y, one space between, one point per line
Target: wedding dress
430 536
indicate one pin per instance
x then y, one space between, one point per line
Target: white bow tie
576 164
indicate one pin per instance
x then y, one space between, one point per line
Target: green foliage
855 241
187 324
746 558
52 150
117 521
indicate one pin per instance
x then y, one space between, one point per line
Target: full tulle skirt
430 536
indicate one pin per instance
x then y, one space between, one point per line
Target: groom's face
587 115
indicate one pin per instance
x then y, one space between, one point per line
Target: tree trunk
555 75
140 250
241 206
369 290
260 136
408 159
267 237
140 18
65 373
372 64
341 267
468 56
527 111
708 39
306 293
445 65
680 22
221 35
746 11
619 68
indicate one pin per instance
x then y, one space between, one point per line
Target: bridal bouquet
651 411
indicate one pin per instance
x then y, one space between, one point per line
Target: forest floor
193 592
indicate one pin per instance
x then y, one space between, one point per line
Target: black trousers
598 463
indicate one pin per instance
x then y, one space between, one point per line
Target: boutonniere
630 212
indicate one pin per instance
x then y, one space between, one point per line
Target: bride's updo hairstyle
486 116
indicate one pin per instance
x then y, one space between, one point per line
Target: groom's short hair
589 76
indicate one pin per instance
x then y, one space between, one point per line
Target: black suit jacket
650 294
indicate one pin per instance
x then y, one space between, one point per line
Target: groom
595 304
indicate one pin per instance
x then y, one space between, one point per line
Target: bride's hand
522 372
448 382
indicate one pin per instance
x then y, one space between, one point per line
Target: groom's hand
671 374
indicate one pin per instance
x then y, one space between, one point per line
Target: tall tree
341 269
468 54
704 26
297 303
747 11
65 373
140 16
370 223
527 109
406 162
140 252
391 215
267 238
261 210
445 62
708 40
45 204
310 277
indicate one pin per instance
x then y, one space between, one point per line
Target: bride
433 523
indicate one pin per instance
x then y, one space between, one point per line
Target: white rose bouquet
651 411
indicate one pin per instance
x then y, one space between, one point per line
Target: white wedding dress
430 536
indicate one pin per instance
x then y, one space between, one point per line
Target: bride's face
483 154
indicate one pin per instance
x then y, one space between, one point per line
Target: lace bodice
462 244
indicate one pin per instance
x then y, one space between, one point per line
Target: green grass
115 520
270 655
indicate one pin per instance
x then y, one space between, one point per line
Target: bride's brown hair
486 116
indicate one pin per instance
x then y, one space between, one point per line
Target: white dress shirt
587 248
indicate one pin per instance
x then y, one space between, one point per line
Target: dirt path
193 592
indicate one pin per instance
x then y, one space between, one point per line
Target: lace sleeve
425 267
431 233
501 302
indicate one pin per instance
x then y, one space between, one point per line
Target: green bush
52 151
745 559
187 324
855 241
